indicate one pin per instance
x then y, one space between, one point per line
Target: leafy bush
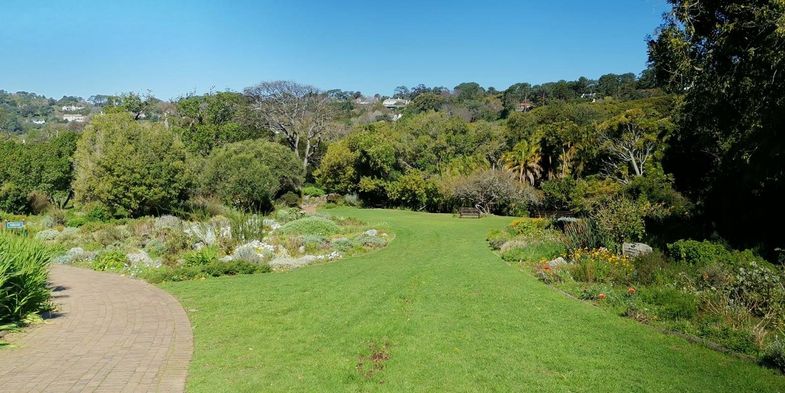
23 274
370 241
312 191
774 355
129 167
582 234
533 251
760 289
600 265
529 226
558 193
312 225
212 269
289 199
249 174
497 238
619 220
698 253
200 257
671 303
648 267
47 234
110 261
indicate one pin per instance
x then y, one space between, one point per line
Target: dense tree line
695 139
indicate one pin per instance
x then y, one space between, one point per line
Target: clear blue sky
85 47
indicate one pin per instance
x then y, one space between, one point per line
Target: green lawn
435 311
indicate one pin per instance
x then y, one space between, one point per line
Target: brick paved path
112 334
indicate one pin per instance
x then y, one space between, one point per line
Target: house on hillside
395 103
524 106
366 100
76 118
71 108
38 122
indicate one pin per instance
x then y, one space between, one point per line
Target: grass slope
434 311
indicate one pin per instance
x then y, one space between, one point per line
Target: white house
71 108
395 103
38 121
70 117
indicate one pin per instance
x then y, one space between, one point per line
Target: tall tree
524 161
728 59
299 113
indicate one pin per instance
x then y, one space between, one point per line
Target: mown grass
434 311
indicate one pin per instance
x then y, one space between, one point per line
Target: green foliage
729 149
533 251
698 253
39 168
24 270
312 191
619 220
558 193
129 167
250 174
290 199
774 355
496 238
210 269
582 233
671 303
312 225
529 226
201 257
414 190
110 261
600 265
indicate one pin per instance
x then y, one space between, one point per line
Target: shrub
313 242
618 220
497 238
529 226
111 261
370 241
533 251
671 303
558 193
352 200
600 265
760 289
774 354
249 174
312 191
47 234
200 257
698 253
23 275
212 269
290 199
648 267
312 225
581 234
130 167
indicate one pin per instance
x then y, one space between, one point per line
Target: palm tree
524 159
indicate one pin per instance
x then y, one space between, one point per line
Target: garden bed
733 301
168 248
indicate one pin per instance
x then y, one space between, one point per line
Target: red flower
601 296
631 290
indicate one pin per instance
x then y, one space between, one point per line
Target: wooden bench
468 212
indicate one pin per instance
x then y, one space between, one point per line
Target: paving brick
111 334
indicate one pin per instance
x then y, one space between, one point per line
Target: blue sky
85 47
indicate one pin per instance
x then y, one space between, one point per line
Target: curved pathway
110 334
